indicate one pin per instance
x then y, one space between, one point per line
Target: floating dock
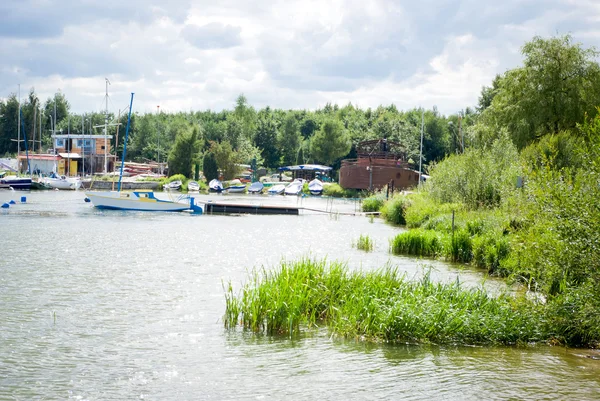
232 208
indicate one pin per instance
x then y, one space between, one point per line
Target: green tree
289 140
266 138
209 167
330 142
184 153
557 86
226 158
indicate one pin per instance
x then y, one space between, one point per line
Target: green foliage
289 140
336 191
378 306
373 203
185 152
393 211
226 159
418 243
557 86
209 167
364 243
460 247
477 178
330 142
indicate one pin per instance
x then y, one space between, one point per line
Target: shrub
373 203
393 211
417 242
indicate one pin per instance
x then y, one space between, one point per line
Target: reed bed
418 242
378 306
365 243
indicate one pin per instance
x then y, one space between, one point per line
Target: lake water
109 305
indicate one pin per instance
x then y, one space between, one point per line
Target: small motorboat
215 186
62 182
173 186
294 187
256 187
276 189
315 187
193 186
236 186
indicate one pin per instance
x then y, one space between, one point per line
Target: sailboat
139 200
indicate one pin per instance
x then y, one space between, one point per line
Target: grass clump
378 306
373 203
394 210
418 243
364 243
336 191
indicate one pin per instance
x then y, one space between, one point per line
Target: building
379 162
73 155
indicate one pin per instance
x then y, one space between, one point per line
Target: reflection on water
104 305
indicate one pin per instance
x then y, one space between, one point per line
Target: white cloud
281 53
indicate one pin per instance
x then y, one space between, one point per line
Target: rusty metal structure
379 163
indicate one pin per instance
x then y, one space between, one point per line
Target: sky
182 55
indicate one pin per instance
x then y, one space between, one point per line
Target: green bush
336 191
393 211
373 203
459 247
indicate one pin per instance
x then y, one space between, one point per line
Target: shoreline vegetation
519 201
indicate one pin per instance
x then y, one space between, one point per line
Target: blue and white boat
256 187
139 200
236 186
315 187
276 189
215 186
294 187
16 183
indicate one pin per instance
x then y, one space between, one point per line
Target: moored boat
294 187
173 186
276 189
193 186
315 187
139 200
236 186
17 183
56 181
215 185
256 187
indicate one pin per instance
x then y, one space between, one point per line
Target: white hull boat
62 182
172 186
139 200
193 186
256 187
315 187
276 189
215 186
294 187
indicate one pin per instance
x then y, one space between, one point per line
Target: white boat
256 187
236 186
55 181
315 187
193 186
139 200
172 186
294 187
276 189
215 185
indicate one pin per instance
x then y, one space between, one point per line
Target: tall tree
226 158
557 86
330 142
289 140
184 153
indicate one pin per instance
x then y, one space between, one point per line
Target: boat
294 187
256 187
315 187
215 186
14 182
139 200
236 186
276 189
56 181
39 184
173 186
193 186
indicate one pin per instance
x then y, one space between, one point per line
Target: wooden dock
232 208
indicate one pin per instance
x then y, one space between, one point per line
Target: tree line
558 84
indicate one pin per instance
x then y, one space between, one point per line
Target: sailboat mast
19 129
106 129
83 145
421 152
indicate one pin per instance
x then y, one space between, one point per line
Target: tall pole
54 136
19 129
462 139
421 152
125 142
83 145
106 129
158 137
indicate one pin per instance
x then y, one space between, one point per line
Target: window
60 143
